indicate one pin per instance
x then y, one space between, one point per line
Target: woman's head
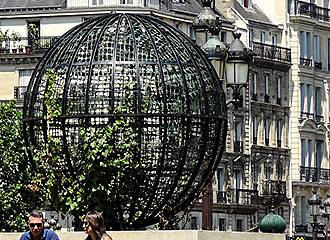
94 224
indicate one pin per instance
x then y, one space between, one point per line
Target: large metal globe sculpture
158 94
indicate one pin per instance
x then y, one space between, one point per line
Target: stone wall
165 235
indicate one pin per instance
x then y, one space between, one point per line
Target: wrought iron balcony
272 52
309 10
27 46
312 174
301 228
273 187
244 196
313 116
238 196
318 65
319 118
306 115
306 62
19 93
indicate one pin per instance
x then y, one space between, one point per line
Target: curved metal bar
204 124
185 137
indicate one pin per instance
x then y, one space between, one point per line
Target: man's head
35 222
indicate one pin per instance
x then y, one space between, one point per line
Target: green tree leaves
19 193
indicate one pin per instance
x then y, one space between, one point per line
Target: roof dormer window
245 3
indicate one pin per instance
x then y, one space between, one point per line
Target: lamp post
319 209
232 67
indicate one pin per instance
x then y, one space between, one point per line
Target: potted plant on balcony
33 31
3 38
16 38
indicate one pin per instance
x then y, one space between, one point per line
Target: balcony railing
274 187
313 116
23 46
272 52
244 196
318 65
312 174
238 196
306 62
301 228
310 10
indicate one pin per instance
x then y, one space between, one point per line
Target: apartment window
221 180
274 39
305 44
328 54
302 97
318 104
254 86
238 137
251 37
245 3
239 223
326 4
303 152
317 51
279 170
309 98
222 226
306 96
193 223
97 2
317 48
310 152
267 128
223 37
279 126
266 88
262 37
279 89
126 2
192 33
303 212
255 129
289 6
319 154
268 169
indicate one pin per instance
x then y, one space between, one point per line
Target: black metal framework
313 174
311 10
133 67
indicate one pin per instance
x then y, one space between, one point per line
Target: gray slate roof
192 7
253 14
15 4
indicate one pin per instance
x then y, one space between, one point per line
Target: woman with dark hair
94 226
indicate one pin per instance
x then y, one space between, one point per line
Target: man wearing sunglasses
37 231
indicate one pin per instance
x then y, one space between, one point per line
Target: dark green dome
272 223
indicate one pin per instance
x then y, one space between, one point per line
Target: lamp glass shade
219 66
237 72
315 209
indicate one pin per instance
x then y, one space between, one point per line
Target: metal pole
315 227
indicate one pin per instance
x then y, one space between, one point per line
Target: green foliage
19 192
51 101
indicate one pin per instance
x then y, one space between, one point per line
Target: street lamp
237 69
231 64
322 210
